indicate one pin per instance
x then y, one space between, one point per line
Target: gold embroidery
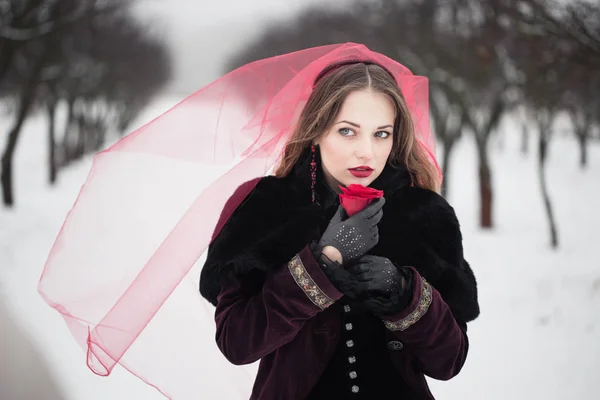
307 284
413 317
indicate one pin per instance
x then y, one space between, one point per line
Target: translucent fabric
124 269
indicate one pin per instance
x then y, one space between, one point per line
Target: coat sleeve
261 274
251 326
428 329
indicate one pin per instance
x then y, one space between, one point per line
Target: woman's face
356 148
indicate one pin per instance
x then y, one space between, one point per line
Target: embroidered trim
413 317
307 284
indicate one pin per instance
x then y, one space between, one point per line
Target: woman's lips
361 172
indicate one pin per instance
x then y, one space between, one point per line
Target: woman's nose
364 149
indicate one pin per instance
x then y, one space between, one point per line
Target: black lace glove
354 236
380 285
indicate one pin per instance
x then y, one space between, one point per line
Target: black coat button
395 345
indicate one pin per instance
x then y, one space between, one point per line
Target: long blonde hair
325 102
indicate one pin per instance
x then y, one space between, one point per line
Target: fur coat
273 301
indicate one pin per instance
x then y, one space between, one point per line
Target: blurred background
515 105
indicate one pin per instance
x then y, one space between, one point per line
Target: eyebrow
358 126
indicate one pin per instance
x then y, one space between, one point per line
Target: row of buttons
394 345
351 359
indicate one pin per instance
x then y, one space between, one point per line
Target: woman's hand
383 288
378 276
343 280
346 240
332 254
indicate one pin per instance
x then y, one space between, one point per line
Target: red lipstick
361 172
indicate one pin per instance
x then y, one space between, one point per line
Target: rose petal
355 198
354 205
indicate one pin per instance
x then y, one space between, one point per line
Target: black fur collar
278 219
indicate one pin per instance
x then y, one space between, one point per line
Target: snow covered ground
538 336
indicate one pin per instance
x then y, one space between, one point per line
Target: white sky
203 33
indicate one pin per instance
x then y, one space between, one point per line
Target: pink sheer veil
123 271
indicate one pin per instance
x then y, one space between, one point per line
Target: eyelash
385 132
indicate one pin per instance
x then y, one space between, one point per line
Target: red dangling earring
313 172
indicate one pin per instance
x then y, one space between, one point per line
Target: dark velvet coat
273 301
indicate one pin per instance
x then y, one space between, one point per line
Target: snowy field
538 336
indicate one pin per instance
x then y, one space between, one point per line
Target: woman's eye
382 134
346 131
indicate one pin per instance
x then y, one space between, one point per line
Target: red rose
354 198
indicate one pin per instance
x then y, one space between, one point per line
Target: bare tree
24 21
459 45
47 97
51 106
576 26
575 22
112 75
25 97
26 35
489 93
543 88
557 57
449 122
544 120
582 104
100 62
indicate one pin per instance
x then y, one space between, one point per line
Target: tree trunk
82 132
485 190
542 156
66 147
7 51
26 98
582 124
482 139
448 147
583 153
52 163
9 151
485 187
524 139
6 174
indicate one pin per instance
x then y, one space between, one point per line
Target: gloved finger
369 211
375 286
375 219
360 268
339 216
367 259
375 236
363 277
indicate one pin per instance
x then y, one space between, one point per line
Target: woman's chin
357 181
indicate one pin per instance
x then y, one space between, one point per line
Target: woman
332 306
336 306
